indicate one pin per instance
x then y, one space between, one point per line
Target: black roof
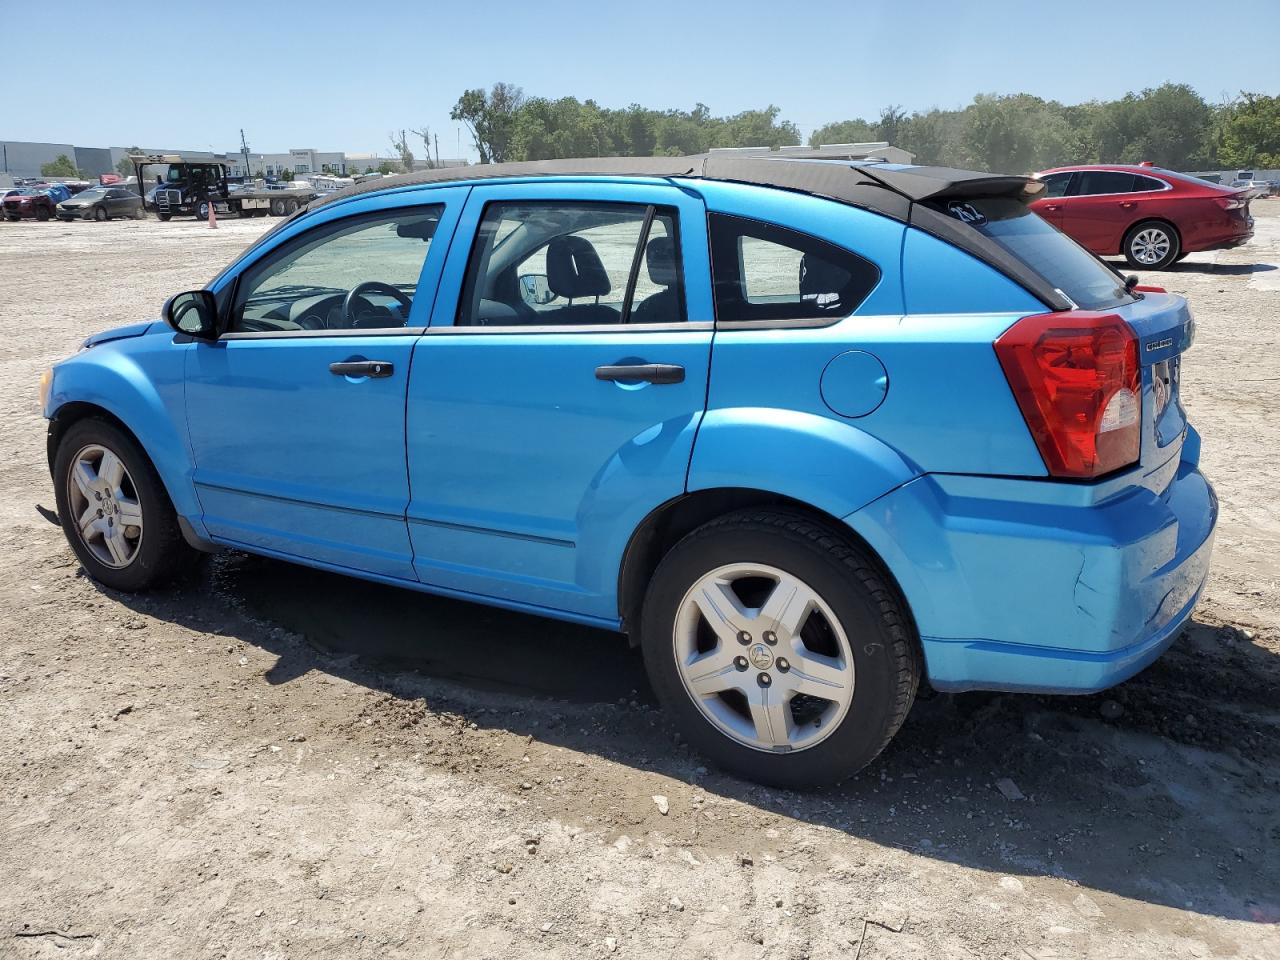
869 184
911 194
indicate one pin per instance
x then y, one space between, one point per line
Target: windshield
1087 281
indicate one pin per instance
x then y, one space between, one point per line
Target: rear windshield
1085 279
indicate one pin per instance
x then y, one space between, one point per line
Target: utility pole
437 149
244 150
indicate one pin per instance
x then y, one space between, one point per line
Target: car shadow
1171 801
1221 269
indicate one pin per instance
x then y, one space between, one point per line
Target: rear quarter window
1084 279
763 272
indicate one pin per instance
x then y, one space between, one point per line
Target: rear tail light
1075 376
1230 203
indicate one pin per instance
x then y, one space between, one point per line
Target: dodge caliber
810 433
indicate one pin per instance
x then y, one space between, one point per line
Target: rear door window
761 271
1092 183
1066 265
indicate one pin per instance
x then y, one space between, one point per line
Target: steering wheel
372 286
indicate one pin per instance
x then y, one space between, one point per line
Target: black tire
162 553
165 216
291 206
886 659
277 207
1147 228
100 214
42 213
1180 257
202 210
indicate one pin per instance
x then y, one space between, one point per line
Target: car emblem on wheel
761 657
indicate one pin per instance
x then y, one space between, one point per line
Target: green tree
385 168
1250 132
124 166
1169 125
61 167
490 118
400 144
844 131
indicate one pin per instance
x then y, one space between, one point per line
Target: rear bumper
1046 587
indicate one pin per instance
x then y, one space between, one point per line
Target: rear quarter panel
930 322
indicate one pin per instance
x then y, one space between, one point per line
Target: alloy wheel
1150 245
104 504
763 657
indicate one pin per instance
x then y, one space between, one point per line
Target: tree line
1170 125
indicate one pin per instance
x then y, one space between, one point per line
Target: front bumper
1046 587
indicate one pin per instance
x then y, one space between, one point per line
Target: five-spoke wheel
104 505
778 648
764 657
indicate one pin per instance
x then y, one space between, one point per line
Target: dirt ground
271 762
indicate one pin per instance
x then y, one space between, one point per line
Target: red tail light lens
1076 379
1230 203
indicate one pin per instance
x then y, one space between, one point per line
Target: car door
115 203
1098 209
296 413
556 394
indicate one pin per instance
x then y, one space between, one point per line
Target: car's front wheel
114 510
100 214
1151 245
779 649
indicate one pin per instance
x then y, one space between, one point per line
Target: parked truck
188 187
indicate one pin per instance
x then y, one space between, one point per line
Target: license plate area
1166 406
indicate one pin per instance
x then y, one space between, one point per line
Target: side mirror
534 289
194 313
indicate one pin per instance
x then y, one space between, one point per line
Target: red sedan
1153 217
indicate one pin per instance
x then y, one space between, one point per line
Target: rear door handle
1053 206
648 372
362 368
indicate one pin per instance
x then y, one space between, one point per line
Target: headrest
574 268
817 277
660 255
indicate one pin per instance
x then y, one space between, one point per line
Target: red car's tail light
1076 379
1229 203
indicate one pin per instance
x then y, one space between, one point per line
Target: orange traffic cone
213 220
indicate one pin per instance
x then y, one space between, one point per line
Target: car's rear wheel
114 510
100 213
42 213
1151 245
778 648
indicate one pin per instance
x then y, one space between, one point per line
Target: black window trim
652 211
800 323
278 252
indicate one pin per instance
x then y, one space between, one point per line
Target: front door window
357 274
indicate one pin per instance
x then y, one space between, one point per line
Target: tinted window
1142 184
766 272
1093 182
1056 184
1052 254
304 285
573 264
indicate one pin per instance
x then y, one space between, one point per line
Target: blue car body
489 467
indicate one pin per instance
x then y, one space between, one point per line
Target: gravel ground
271 762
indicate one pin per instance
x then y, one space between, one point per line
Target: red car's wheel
1152 245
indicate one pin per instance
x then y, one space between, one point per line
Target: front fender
140 382
831 465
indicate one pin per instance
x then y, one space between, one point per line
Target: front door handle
648 372
1053 206
362 368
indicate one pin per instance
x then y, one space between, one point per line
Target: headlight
46 384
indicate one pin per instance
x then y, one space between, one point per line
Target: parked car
810 434
1152 217
38 202
101 203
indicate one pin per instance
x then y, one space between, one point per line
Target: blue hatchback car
810 432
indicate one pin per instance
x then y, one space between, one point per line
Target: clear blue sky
351 72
